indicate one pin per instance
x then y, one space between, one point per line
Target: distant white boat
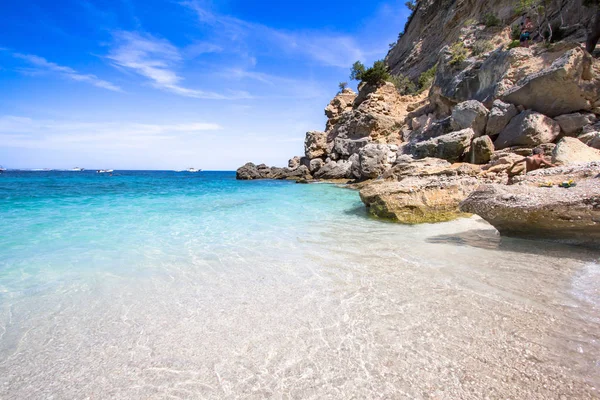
193 170
77 169
2 169
104 171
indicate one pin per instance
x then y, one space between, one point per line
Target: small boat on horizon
193 170
77 169
104 171
2 169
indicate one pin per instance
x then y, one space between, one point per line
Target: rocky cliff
490 104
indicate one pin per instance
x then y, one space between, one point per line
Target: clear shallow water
175 285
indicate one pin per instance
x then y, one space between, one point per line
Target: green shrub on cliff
514 43
458 53
342 86
403 84
426 78
357 71
377 74
491 20
482 46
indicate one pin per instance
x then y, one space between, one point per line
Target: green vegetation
458 53
357 71
411 5
491 20
427 77
377 74
513 44
515 32
342 86
403 84
482 47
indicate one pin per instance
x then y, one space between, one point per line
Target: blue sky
165 84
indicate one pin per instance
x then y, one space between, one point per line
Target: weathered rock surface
315 144
294 162
528 129
560 174
591 139
341 169
569 215
340 104
374 160
451 146
347 147
248 171
571 124
570 84
571 151
315 165
470 114
481 151
500 115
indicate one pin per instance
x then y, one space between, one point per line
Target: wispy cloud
325 48
16 131
157 60
67 72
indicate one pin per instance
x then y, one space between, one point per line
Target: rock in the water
416 200
341 169
451 146
482 149
315 144
374 160
528 129
500 115
568 85
592 139
572 151
294 162
247 172
470 114
569 215
571 124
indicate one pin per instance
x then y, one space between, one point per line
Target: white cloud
67 72
157 59
326 48
26 132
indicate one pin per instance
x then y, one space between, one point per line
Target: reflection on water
292 296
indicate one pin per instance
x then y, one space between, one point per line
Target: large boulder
571 124
566 86
416 200
470 114
528 129
591 139
294 162
315 144
568 215
347 147
341 169
406 167
572 151
315 165
451 146
500 115
481 151
374 160
248 171
340 104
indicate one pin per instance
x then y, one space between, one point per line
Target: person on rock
526 31
533 162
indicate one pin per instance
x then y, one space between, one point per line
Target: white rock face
572 151
573 123
500 115
528 129
470 114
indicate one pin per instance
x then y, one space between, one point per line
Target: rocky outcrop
500 115
315 144
470 114
374 160
591 139
250 171
341 169
481 151
569 215
528 129
572 151
568 85
340 104
451 146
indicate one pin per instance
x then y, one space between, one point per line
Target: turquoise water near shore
178 285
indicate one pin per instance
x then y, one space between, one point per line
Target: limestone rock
412 167
418 199
335 170
568 215
315 165
482 149
248 171
451 146
591 139
568 85
347 147
571 124
556 175
528 129
294 162
374 160
571 151
500 115
340 104
315 144
470 114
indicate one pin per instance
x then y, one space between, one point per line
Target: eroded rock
572 151
500 115
470 114
528 129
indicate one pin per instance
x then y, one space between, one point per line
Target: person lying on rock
533 162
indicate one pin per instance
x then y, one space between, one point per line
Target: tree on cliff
375 75
358 69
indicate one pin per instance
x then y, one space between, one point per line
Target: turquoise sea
150 284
